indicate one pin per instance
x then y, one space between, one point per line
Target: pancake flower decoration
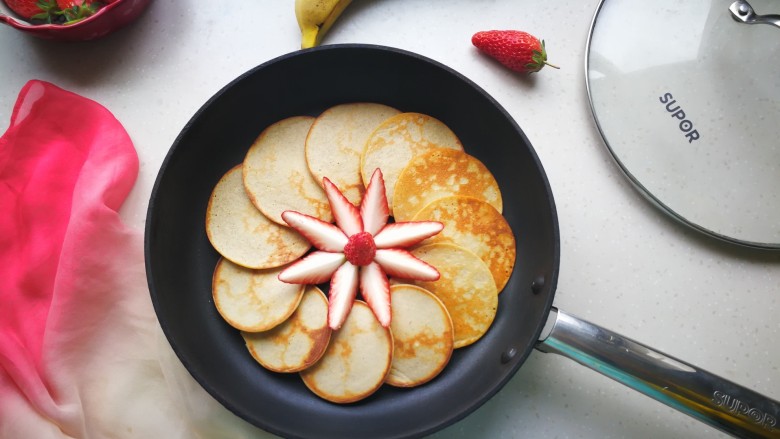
359 251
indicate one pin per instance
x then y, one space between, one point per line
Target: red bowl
106 20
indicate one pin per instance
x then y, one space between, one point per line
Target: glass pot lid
686 95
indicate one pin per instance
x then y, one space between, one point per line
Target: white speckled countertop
624 264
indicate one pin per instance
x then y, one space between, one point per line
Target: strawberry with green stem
517 50
34 9
76 10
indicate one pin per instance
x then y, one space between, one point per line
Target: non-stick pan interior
180 260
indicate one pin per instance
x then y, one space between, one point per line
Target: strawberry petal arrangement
359 248
361 251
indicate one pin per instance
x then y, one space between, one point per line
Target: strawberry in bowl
70 20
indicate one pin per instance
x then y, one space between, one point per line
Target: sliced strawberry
401 263
375 289
346 214
315 268
343 289
407 233
324 236
373 208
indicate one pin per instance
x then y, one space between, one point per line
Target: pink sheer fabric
81 352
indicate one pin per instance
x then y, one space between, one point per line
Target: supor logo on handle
738 407
686 126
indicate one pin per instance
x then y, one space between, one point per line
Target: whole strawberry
517 50
76 10
30 9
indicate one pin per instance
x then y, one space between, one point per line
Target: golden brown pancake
240 233
439 173
336 141
253 300
422 336
397 140
356 361
299 341
466 288
477 226
276 176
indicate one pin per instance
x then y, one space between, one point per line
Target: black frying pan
180 259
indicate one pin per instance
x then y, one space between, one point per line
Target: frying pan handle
713 400
742 11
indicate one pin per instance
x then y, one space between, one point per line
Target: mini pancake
422 336
439 173
253 300
466 288
356 361
397 140
240 233
336 141
478 227
299 341
276 176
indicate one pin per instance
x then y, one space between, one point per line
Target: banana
315 17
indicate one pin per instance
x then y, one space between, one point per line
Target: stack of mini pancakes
428 176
